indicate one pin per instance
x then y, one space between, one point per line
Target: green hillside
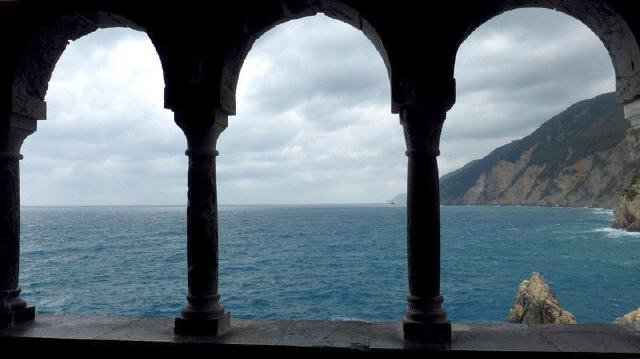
583 129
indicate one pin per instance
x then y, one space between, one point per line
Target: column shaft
203 315
202 236
425 320
9 223
13 310
423 226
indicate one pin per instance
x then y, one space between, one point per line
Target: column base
212 326
437 335
15 317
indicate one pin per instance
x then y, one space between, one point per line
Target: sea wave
617 233
341 318
290 265
608 212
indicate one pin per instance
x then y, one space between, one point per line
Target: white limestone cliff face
583 157
594 181
492 184
536 303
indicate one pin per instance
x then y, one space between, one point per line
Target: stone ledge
112 334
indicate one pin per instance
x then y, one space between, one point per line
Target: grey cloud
316 57
517 71
313 121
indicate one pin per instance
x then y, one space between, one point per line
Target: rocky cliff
536 303
583 157
626 214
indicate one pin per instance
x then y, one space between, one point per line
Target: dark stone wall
202 45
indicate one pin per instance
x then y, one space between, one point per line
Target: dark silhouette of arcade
202 46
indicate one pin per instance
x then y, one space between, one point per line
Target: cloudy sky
313 120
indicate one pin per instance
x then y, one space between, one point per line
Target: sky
313 121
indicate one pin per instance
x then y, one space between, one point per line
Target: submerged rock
632 319
536 303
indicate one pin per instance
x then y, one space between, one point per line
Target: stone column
425 320
13 309
203 315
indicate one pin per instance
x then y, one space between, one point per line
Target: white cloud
515 72
313 121
107 139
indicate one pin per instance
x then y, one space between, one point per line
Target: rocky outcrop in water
630 319
536 303
583 157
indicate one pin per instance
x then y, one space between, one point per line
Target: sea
325 262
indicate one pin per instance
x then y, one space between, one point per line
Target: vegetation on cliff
580 157
626 214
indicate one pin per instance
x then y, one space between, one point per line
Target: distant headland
586 156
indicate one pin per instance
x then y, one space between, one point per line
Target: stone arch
42 50
599 16
278 13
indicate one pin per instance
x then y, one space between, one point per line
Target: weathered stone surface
202 55
203 314
631 319
536 303
626 214
13 309
425 320
154 335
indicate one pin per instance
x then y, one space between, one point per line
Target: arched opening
528 73
107 147
266 16
315 151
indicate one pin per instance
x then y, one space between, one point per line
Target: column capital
422 119
202 127
422 129
13 132
28 107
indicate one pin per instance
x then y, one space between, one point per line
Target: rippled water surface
325 262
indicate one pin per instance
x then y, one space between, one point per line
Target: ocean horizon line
306 205
220 204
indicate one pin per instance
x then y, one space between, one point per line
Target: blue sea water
344 262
